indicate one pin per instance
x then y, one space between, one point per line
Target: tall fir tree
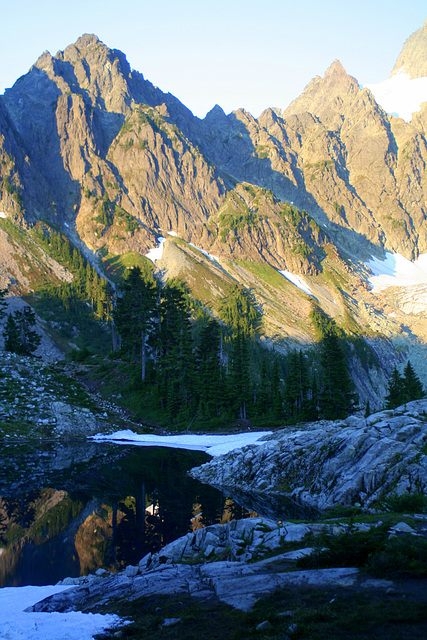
276 395
135 313
177 365
395 396
239 374
11 334
209 374
297 387
239 311
412 385
263 391
403 388
337 397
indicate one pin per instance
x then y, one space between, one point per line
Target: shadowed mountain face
92 146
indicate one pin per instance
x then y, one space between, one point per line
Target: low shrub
405 503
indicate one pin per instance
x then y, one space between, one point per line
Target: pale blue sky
253 54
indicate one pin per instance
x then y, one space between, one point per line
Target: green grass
116 266
265 272
317 615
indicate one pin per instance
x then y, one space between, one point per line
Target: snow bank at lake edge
18 624
213 445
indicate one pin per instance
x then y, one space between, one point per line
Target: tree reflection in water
70 509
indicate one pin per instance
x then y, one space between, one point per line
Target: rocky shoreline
357 461
230 562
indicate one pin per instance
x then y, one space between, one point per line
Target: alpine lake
68 509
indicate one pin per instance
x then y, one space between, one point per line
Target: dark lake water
66 510
69 509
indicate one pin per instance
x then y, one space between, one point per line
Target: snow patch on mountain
410 277
205 253
298 281
397 271
156 252
400 95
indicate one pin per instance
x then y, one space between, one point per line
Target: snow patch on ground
400 95
157 252
397 271
17 624
298 281
213 445
173 233
2 214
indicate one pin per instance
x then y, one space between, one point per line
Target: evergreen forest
173 362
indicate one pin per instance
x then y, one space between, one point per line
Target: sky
250 54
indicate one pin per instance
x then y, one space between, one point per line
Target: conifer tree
209 374
276 396
177 365
396 395
402 389
238 310
337 395
30 339
263 391
3 303
312 408
19 334
297 386
239 374
367 409
413 388
11 334
134 314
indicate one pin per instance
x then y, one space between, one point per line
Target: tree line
193 367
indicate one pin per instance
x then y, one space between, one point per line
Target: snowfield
214 445
400 95
17 624
397 271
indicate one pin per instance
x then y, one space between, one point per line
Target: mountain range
318 202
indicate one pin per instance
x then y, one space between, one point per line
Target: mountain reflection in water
69 509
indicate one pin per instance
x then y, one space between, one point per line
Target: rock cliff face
335 152
93 147
82 126
413 57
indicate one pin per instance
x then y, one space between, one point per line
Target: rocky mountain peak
319 95
336 69
43 61
413 57
87 40
215 114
